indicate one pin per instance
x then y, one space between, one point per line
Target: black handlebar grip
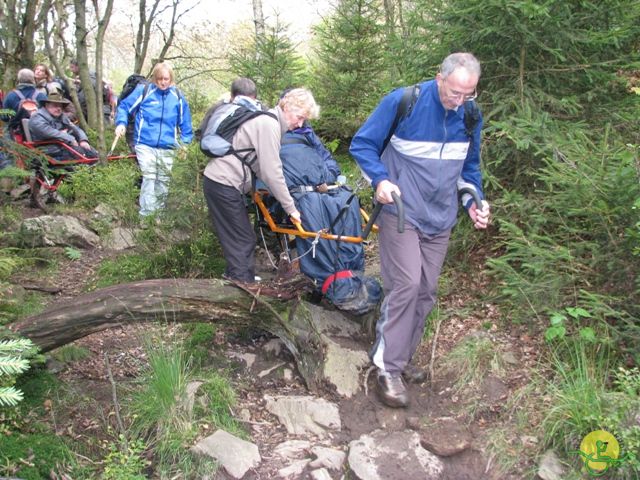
372 220
376 211
400 207
474 195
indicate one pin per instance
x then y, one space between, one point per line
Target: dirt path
456 422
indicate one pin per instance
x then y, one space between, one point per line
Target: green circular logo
599 450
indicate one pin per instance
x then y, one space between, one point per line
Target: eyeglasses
465 97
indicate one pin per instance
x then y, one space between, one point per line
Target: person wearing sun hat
50 123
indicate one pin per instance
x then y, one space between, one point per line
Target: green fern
17 345
12 364
10 396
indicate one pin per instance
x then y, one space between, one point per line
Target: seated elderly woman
50 123
336 267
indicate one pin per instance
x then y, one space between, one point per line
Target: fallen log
185 300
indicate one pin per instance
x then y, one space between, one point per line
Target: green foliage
72 253
43 456
571 238
170 421
350 74
200 258
558 328
14 360
112 184
473 359
578 400
219 398
8 262
270 61
199 341
125 463
71 353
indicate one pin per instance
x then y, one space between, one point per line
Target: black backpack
128 87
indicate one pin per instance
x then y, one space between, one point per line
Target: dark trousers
234 230
410 265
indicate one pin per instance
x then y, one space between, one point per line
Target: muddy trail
456 414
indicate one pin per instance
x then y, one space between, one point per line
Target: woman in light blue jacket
162 125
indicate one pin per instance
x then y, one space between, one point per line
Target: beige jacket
263 134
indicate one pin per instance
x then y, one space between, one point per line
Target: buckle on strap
336 276
302 189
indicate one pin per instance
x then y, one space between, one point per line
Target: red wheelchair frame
51 175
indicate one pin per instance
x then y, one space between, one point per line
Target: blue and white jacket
428 157
162 117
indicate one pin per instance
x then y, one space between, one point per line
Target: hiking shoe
392 390
413 374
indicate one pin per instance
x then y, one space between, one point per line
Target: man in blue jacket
162 124
427 158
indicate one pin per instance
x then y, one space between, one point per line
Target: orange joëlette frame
298 230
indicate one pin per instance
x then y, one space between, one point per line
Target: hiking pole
113 145
376 211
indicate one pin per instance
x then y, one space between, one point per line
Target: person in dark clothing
25 90
50 123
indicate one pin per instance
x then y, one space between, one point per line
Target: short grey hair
26 75
460 60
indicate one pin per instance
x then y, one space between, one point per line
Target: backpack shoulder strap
408 100
145 90
20 94
471 117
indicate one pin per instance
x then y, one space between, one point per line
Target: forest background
560 94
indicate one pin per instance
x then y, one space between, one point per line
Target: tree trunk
82 56
17 31
103 22
258 18
184 300
143 34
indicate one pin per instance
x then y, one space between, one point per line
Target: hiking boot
392 390
413 374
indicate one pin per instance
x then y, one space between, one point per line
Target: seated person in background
50 123
23 101
330 164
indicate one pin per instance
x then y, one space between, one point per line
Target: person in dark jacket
50 123
162 125
25 89
429 156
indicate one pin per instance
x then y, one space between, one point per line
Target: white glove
295 216
120 130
